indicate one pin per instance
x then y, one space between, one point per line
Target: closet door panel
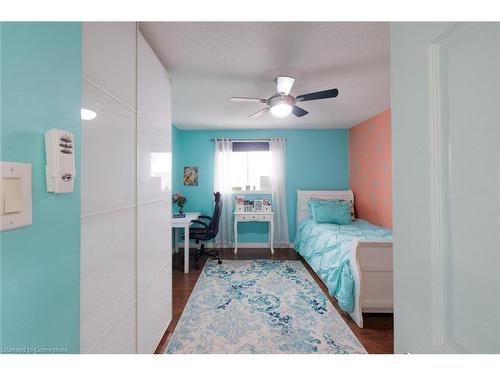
154 153
154 199
153 87
154 251
446 152
108 157
154 311
108 270
109 58
121 337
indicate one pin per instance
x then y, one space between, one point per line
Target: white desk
184 222
253 216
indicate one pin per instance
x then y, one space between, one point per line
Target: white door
446 157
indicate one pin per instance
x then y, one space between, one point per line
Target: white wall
126 297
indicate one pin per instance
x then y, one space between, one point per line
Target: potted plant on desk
180 200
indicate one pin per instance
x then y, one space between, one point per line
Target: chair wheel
219 261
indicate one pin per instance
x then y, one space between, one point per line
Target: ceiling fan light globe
281 110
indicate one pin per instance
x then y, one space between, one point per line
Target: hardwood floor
377 336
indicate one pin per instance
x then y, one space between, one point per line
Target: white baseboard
241 245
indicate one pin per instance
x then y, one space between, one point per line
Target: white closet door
108 165
154 252
154 207
446 159
109 58
108 251
126 263
153 87
108 282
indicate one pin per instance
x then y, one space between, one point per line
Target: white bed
371 262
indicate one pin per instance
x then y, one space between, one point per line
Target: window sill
246 192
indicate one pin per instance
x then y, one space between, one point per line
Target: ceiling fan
282 103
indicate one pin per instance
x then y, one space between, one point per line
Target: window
249 161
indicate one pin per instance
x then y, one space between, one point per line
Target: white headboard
303 197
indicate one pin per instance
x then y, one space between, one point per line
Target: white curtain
278 148
222 184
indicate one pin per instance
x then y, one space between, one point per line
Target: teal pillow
351 205
330 211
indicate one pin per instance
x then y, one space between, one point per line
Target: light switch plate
15 195
11 195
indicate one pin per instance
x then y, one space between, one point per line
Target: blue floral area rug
260 306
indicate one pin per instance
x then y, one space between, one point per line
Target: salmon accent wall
370 169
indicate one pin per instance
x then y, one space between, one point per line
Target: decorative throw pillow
330 211
350 202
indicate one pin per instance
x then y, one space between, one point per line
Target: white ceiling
211 61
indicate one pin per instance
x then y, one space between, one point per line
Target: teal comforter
327 249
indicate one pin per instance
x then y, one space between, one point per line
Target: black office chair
207 231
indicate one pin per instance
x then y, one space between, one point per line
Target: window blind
250 146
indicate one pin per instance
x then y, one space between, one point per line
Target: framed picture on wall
190 176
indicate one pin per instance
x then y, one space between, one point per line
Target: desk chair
207 231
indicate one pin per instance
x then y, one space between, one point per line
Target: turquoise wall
40 264
315 160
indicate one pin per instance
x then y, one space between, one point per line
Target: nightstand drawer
254 217
248 217
264 218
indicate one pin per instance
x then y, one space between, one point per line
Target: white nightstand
253 216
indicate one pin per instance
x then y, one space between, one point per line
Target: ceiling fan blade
299 112
284 84
259 113
332 93
246 99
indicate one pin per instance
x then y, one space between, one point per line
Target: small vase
181 210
